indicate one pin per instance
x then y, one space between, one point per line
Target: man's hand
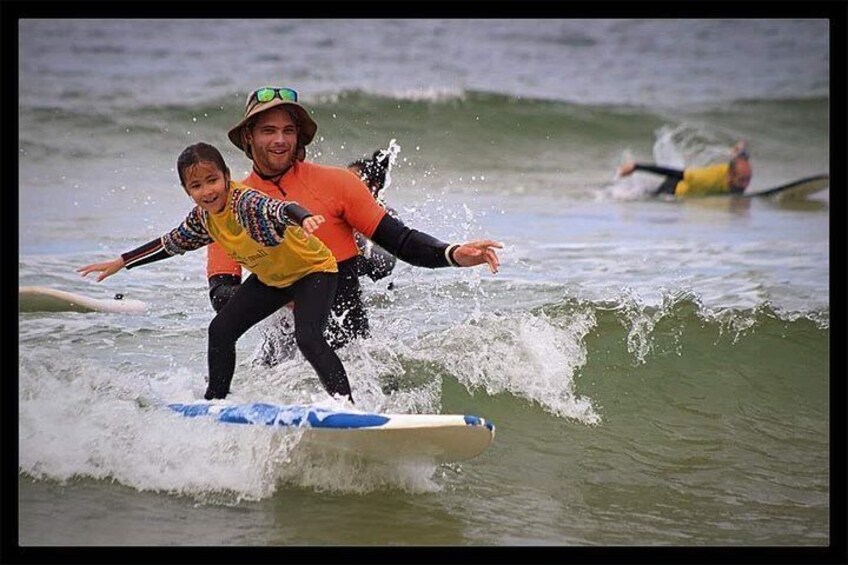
478 252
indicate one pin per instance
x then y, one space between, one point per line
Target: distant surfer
280 170
731 177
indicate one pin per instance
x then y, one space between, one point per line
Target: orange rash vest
335 193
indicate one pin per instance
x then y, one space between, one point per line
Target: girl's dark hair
373 171
194 154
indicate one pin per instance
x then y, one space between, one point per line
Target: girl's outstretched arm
190 235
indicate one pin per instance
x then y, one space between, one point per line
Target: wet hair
373 170
249 125
194 154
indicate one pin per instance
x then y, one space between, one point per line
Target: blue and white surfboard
436 437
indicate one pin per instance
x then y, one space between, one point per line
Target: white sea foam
526 355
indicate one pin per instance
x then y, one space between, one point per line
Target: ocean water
658 371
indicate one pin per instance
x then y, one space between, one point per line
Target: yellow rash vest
255 231
698 181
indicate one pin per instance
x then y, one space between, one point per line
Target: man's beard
278 170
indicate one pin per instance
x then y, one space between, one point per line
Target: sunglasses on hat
268 93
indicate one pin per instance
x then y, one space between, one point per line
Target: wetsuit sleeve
296 213
190 235
412 246
673 173
374 261
150 252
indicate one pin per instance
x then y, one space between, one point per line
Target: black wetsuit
398 240
673 176
255 301
347 305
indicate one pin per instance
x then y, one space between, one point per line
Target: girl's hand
106 269
311 223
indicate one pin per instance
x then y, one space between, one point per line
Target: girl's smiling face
207 185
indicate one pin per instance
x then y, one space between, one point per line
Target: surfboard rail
45 299
434 437
795 190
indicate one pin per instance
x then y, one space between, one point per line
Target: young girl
262 234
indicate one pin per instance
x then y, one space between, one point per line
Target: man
732 177
274 133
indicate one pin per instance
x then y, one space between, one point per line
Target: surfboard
439 438
44 299
795 190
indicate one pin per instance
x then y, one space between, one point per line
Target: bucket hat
258 101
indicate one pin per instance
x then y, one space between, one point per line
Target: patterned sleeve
190 235
264 218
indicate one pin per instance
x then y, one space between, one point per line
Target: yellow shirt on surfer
732 177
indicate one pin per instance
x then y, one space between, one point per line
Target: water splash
393 150
690 144
527 355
